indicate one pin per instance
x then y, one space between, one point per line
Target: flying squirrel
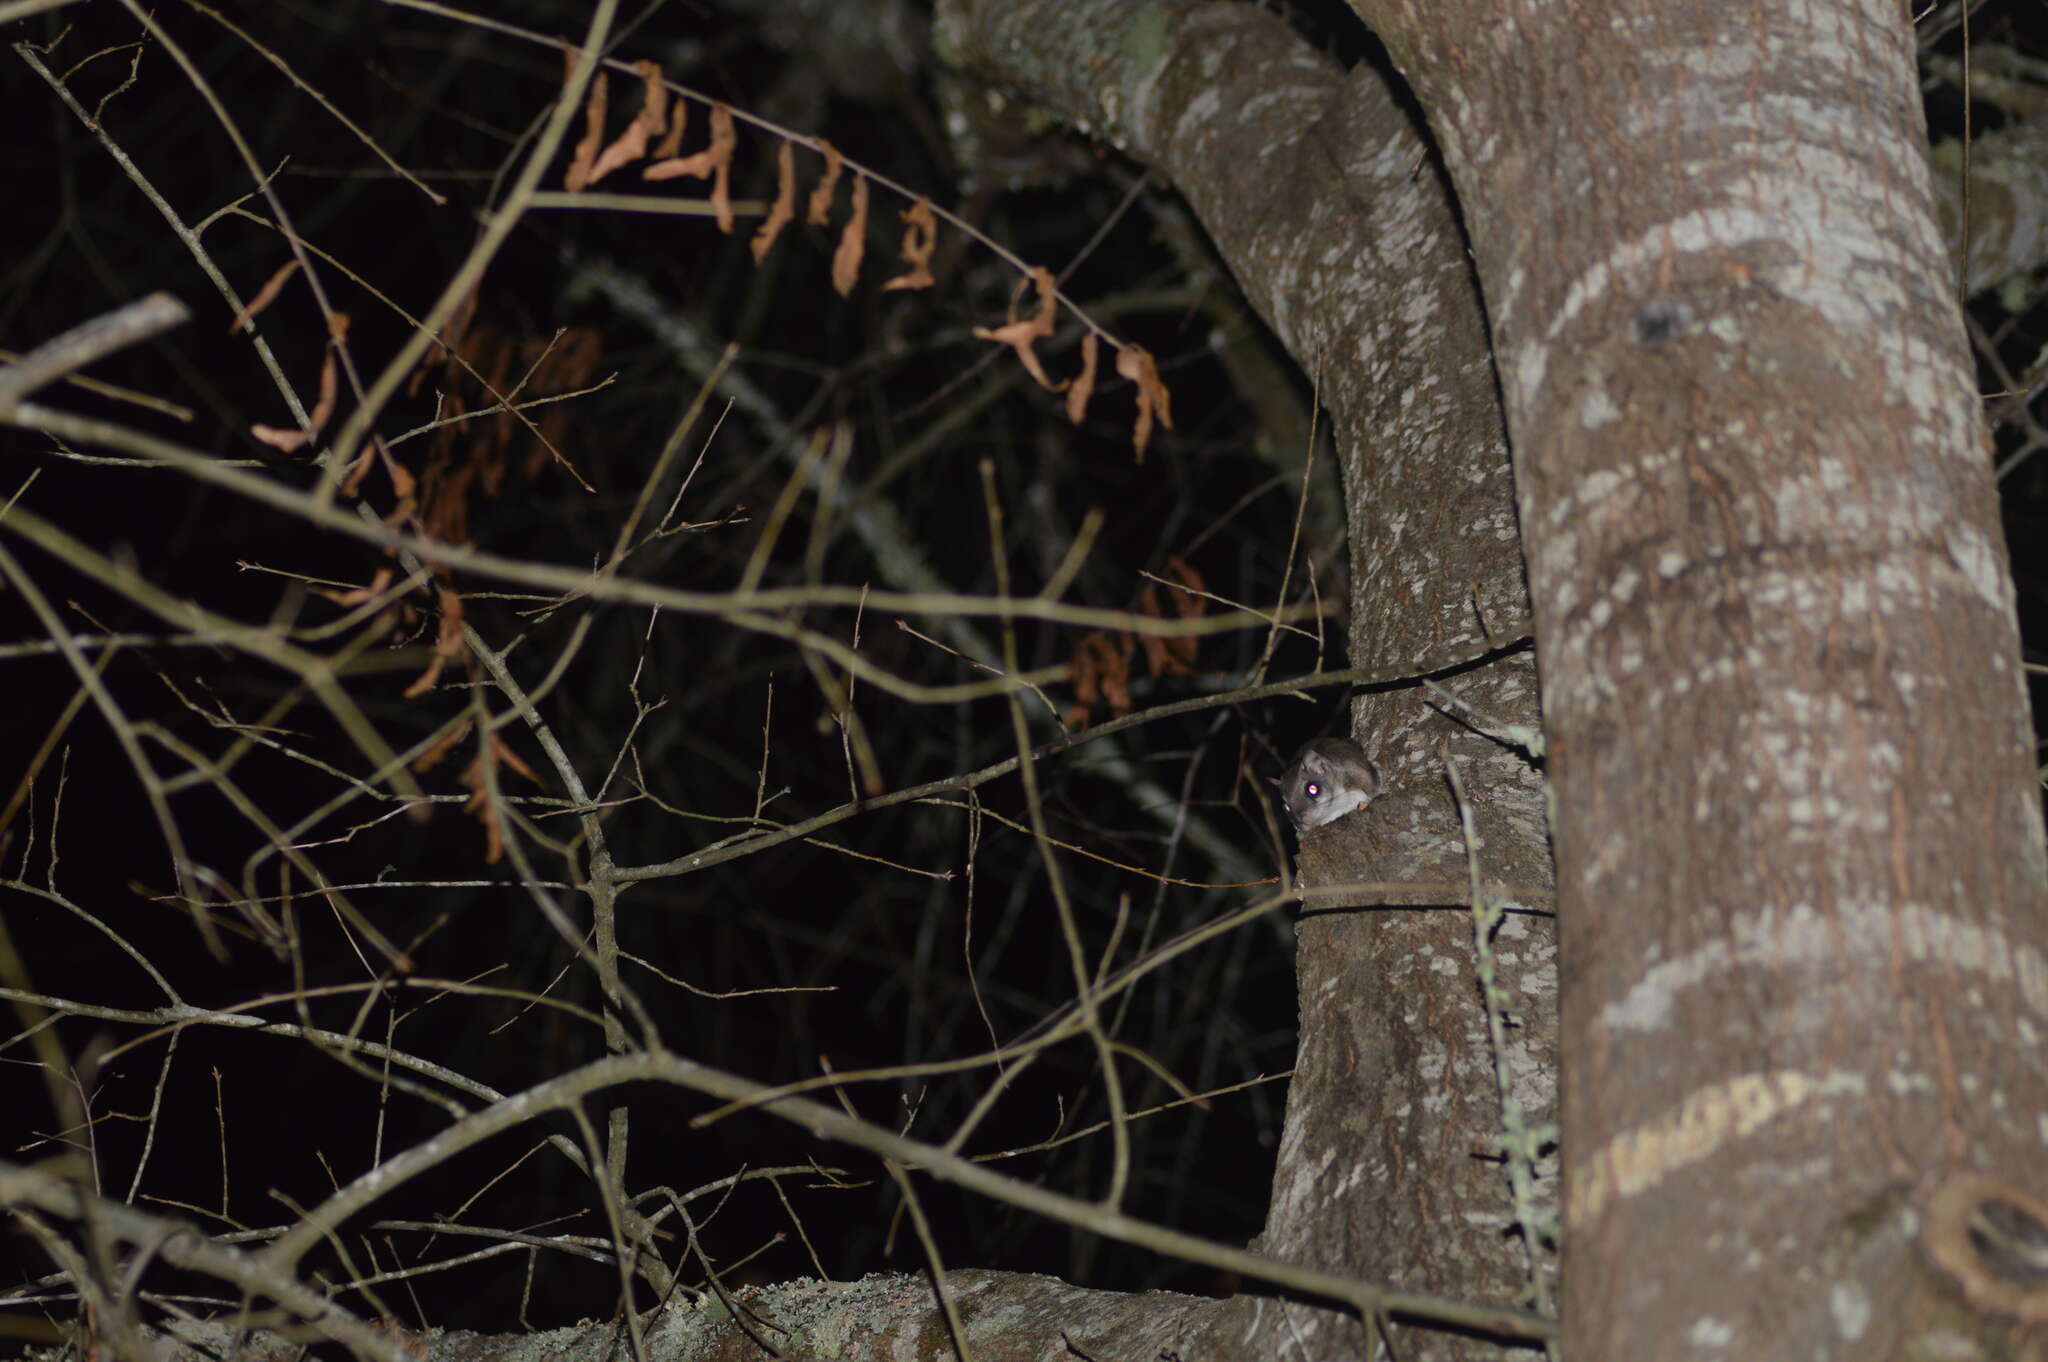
1328 779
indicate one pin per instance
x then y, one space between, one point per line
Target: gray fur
1330 778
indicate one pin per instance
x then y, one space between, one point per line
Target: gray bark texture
1797 831
1005 1317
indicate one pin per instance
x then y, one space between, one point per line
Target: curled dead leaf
1136 364
715 160
819 212
286 440
852 240
1020 334
1172 656
631 144
1083 385
263 296
1099 669
585 155
672 141
783 210
357 595
920 236
447 641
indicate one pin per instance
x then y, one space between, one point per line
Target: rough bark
1317 190
1006 1316
1798 838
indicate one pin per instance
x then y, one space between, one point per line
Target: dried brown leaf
654 97
357 595
442 351
438 753
920 236
852 240
480 804
1100 668
352 482
1021 335
286 440
435 665
819 213
1158 659
403 487
631 144
264 295
503 751
329 389
447 642
678 120
1172 656
783 210
585 155
1134 363
476 778
1083 385
715 160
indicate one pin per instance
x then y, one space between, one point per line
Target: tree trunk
1798 840
1316 188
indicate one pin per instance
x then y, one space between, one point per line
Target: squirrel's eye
1313 790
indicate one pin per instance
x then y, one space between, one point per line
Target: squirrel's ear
1273 781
